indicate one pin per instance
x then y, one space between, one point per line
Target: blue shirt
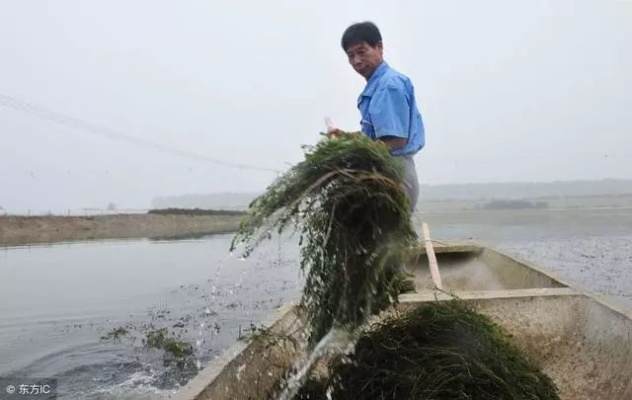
388 108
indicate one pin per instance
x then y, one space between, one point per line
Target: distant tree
111 206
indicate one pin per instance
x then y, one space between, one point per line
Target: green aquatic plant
116 334
176 351
439 351
177 354
347 202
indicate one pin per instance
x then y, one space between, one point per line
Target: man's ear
380 47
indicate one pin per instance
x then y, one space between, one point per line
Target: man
387 104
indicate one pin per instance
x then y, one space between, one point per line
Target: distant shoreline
20 230
175 223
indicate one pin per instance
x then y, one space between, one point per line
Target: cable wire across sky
89 127
97 130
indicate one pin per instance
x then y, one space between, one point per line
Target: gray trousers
411 182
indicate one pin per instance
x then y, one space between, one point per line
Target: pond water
57 301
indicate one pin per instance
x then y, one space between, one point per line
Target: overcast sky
509 91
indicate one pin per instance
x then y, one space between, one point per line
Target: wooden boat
581 339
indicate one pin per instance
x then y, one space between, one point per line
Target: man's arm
390 115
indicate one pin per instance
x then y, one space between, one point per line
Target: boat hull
579 338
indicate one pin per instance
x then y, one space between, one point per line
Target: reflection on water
57 301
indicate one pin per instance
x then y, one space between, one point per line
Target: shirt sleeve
389 111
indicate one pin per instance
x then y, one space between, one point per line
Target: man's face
365 59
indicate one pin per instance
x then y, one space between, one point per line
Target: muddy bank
31 230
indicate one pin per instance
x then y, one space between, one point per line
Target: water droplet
336 341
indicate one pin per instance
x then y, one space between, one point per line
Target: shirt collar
370 84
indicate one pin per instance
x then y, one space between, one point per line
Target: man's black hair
361 32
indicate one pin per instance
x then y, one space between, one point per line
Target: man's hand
393 142
331 130
334 132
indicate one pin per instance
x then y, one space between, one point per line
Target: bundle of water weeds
346 200
434 351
